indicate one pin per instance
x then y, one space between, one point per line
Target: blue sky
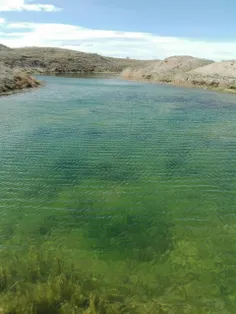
151 28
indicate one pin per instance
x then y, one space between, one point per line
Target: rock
218 75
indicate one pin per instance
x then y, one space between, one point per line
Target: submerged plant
40 282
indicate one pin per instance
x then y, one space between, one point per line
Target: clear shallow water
132 182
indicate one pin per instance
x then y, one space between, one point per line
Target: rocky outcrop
13 80
218 75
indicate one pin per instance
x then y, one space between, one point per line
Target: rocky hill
165 70
15 63
188 71
57 60
13 80
218 75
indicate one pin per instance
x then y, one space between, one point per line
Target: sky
143 29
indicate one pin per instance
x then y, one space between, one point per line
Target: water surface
133 182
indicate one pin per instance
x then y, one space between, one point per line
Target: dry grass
15 80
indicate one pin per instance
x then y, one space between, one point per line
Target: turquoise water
133 182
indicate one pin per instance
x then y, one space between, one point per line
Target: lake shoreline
188 71
185 85
23 90
39 83
13 81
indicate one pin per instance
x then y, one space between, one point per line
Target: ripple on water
137 177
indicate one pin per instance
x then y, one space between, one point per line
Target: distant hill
165 70
15 63
57 60
4 48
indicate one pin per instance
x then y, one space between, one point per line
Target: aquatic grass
42 279
41 282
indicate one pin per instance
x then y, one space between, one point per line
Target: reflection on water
133 184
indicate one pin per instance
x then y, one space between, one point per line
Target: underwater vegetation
97 253
51 278
41 282
117 200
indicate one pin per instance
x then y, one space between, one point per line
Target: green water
132 183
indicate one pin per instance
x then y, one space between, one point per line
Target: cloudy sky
123 28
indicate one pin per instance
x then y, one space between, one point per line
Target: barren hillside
57 60
221 75
166 70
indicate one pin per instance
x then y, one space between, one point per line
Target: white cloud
22 5
112 43
2 20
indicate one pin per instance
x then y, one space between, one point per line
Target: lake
117 197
